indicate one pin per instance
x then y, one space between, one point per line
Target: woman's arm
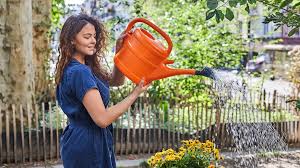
118 77
104 117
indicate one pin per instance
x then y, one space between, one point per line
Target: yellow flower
170 151
159 154
211 166
170 157
194 148
181 154
209 144
182 148
207 150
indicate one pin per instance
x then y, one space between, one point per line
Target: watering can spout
207 72
164 71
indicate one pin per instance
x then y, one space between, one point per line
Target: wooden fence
32 133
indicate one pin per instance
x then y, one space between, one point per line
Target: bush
294 72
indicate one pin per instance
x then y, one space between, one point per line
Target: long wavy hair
70 29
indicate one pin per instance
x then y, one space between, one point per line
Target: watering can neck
164 71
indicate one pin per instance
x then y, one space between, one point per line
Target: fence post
145 127
51 129
7 136
189 120
37 131
206 122
15 132
44 133
22 133
133 139
1 147
128 132
121 135
173 127
217 124
183 113
178 125
274 101
149 129
197 120
29 132
57 133
140 125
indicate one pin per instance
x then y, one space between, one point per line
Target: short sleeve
81 80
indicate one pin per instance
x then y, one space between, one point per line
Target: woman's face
85 40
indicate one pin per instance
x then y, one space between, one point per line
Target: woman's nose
94 40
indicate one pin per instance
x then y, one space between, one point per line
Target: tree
16 70
24 52
41 22
281 12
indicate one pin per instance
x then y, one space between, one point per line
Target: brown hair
70 29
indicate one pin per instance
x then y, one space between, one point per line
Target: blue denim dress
83 144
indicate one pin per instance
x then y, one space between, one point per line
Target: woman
83 94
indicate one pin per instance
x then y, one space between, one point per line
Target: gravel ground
287 159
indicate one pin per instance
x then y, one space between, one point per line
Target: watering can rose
192 153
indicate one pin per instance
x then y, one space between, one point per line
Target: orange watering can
143 56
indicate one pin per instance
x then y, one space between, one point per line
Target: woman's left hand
120 41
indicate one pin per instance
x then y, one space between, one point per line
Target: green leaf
229 14
247 8
217 18
212 4
298 104
252 1
285 3
293 31
243 2
297 4
209 15
220 14
232 3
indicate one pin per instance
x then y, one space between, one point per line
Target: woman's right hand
140 88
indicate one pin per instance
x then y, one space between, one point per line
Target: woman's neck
79 58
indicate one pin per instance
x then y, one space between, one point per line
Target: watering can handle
166 37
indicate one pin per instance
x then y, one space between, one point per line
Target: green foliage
196 43
57 11
294 70
54 118
298 104
281 12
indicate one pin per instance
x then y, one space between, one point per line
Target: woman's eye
86 37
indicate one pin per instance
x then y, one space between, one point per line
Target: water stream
250 137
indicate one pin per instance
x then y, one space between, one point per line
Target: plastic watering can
144 56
